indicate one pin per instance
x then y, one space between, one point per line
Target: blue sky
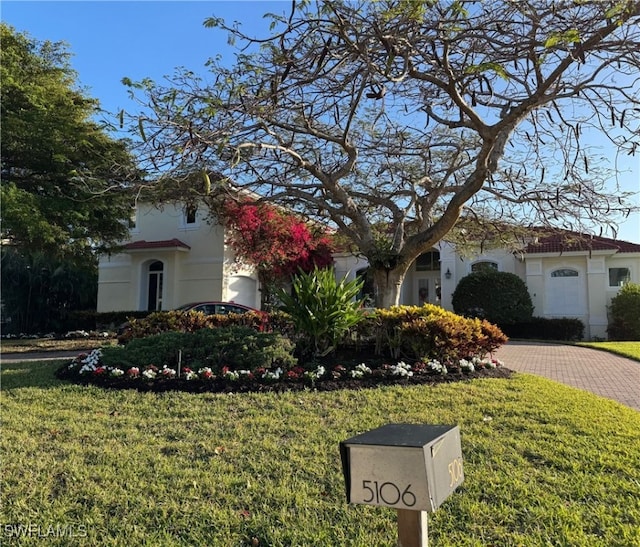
111 40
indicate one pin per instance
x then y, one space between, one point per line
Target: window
619 276
484 266
190 214
564 272
133 218
428 262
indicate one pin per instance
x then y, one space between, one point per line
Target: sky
112 40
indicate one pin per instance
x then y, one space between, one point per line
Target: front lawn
626 349
545 464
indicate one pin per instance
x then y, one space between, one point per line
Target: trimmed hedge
541 328
192 321
624 322
235 347
499 297
402 332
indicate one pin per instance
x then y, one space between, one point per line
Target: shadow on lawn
23 374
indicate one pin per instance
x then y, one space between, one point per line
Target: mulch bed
219 385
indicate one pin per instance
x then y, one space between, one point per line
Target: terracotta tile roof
163 244
564 242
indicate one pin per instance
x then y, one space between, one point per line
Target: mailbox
403 466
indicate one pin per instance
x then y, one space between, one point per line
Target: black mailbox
404 466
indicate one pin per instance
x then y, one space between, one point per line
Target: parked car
216 308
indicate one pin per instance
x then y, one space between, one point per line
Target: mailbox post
411 468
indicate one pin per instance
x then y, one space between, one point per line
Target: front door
155 282
427 290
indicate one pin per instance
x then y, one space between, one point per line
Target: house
178 255
175 255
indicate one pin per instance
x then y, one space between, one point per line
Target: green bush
190 321
541 328
429 332
235 347
624 314
322 308
499 297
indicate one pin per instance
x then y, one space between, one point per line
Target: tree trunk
387 286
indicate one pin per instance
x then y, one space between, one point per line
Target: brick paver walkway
596 371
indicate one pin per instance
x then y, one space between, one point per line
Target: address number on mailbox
387 493
404 466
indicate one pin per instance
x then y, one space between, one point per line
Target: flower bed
87 369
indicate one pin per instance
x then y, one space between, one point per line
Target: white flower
436 366
190 375
314 375
168 372
231 375
467 366
401 369
272 374
150 374
116 372
360 371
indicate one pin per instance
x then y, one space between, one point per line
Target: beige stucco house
177 255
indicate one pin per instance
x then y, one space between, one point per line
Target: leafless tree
396 120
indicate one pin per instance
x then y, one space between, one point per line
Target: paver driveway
596 371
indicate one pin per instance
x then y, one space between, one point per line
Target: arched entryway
154 285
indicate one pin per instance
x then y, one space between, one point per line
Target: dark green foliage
40 294
64 179
624 314
191 321
234 347
322 308
541 328
499 297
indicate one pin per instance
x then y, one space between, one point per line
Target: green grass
545 464
626 349
45 344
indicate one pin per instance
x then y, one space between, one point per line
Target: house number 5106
388 493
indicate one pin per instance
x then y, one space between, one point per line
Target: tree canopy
65 181
393 120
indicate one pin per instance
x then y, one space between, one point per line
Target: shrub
190 321
431 332
235 347
499 297
624 318
541 328
322 308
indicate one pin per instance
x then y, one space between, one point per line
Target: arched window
428 262
484 265
154 287
190 214
564 272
